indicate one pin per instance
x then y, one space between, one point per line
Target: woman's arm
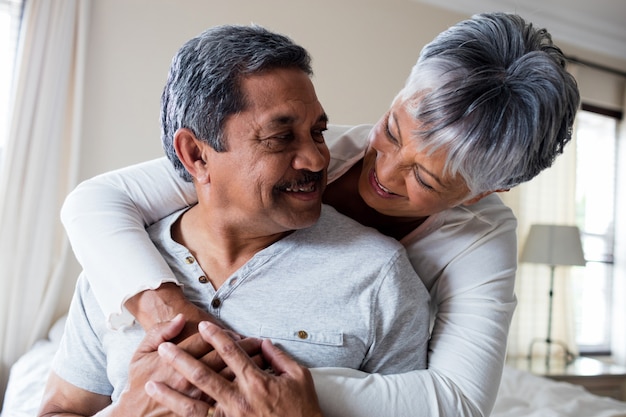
475 302
105 218
468 263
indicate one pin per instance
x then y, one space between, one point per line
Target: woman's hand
152 307
289 391
148 365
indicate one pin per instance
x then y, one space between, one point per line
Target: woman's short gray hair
493 92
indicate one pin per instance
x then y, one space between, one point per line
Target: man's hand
254 392
147 365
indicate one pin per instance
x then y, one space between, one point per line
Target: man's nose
311 155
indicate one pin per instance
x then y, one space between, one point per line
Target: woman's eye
389 135
421 182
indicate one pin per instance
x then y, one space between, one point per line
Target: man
240 119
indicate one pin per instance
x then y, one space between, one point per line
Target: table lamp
553 245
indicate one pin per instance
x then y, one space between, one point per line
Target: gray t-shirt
336 294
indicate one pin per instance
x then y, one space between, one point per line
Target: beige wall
362 52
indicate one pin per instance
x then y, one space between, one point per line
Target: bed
521 394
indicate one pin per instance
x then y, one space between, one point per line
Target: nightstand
597 377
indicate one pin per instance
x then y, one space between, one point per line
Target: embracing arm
474 300
105 218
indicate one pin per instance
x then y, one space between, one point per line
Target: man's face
271 178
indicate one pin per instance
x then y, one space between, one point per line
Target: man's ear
191 152
480 196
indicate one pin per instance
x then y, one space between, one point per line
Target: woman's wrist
159 305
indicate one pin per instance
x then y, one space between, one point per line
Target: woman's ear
480 196
191 152
476 198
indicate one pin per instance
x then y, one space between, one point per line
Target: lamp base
568 355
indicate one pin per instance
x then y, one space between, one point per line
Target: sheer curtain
40 167
618 347
549 199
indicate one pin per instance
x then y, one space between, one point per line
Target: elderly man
259 252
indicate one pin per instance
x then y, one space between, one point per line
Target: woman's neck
343 195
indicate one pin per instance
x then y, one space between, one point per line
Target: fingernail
166 349
203 326
150 388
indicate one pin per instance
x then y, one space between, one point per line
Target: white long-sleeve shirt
466 256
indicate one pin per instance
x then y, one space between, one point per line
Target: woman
488 105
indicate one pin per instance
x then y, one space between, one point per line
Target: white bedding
521 394
29 374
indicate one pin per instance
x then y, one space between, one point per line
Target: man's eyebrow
282 120
287 120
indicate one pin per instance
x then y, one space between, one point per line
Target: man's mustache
305 177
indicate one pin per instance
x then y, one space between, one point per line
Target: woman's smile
378 188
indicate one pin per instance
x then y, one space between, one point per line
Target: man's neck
220 248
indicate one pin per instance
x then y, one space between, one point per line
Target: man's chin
304 219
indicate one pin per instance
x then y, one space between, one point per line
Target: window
596 139
10 17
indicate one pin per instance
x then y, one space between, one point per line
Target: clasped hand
287 391
152 364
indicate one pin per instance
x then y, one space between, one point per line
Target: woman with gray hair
488 105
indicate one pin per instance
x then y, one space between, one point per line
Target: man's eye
283 138
318 135
277 142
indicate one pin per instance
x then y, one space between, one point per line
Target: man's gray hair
204 83
493 91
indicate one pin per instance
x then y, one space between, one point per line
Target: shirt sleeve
401 319
346 392
80 358
105 218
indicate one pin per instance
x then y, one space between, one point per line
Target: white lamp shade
553 245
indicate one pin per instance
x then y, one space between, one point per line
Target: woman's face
399 180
